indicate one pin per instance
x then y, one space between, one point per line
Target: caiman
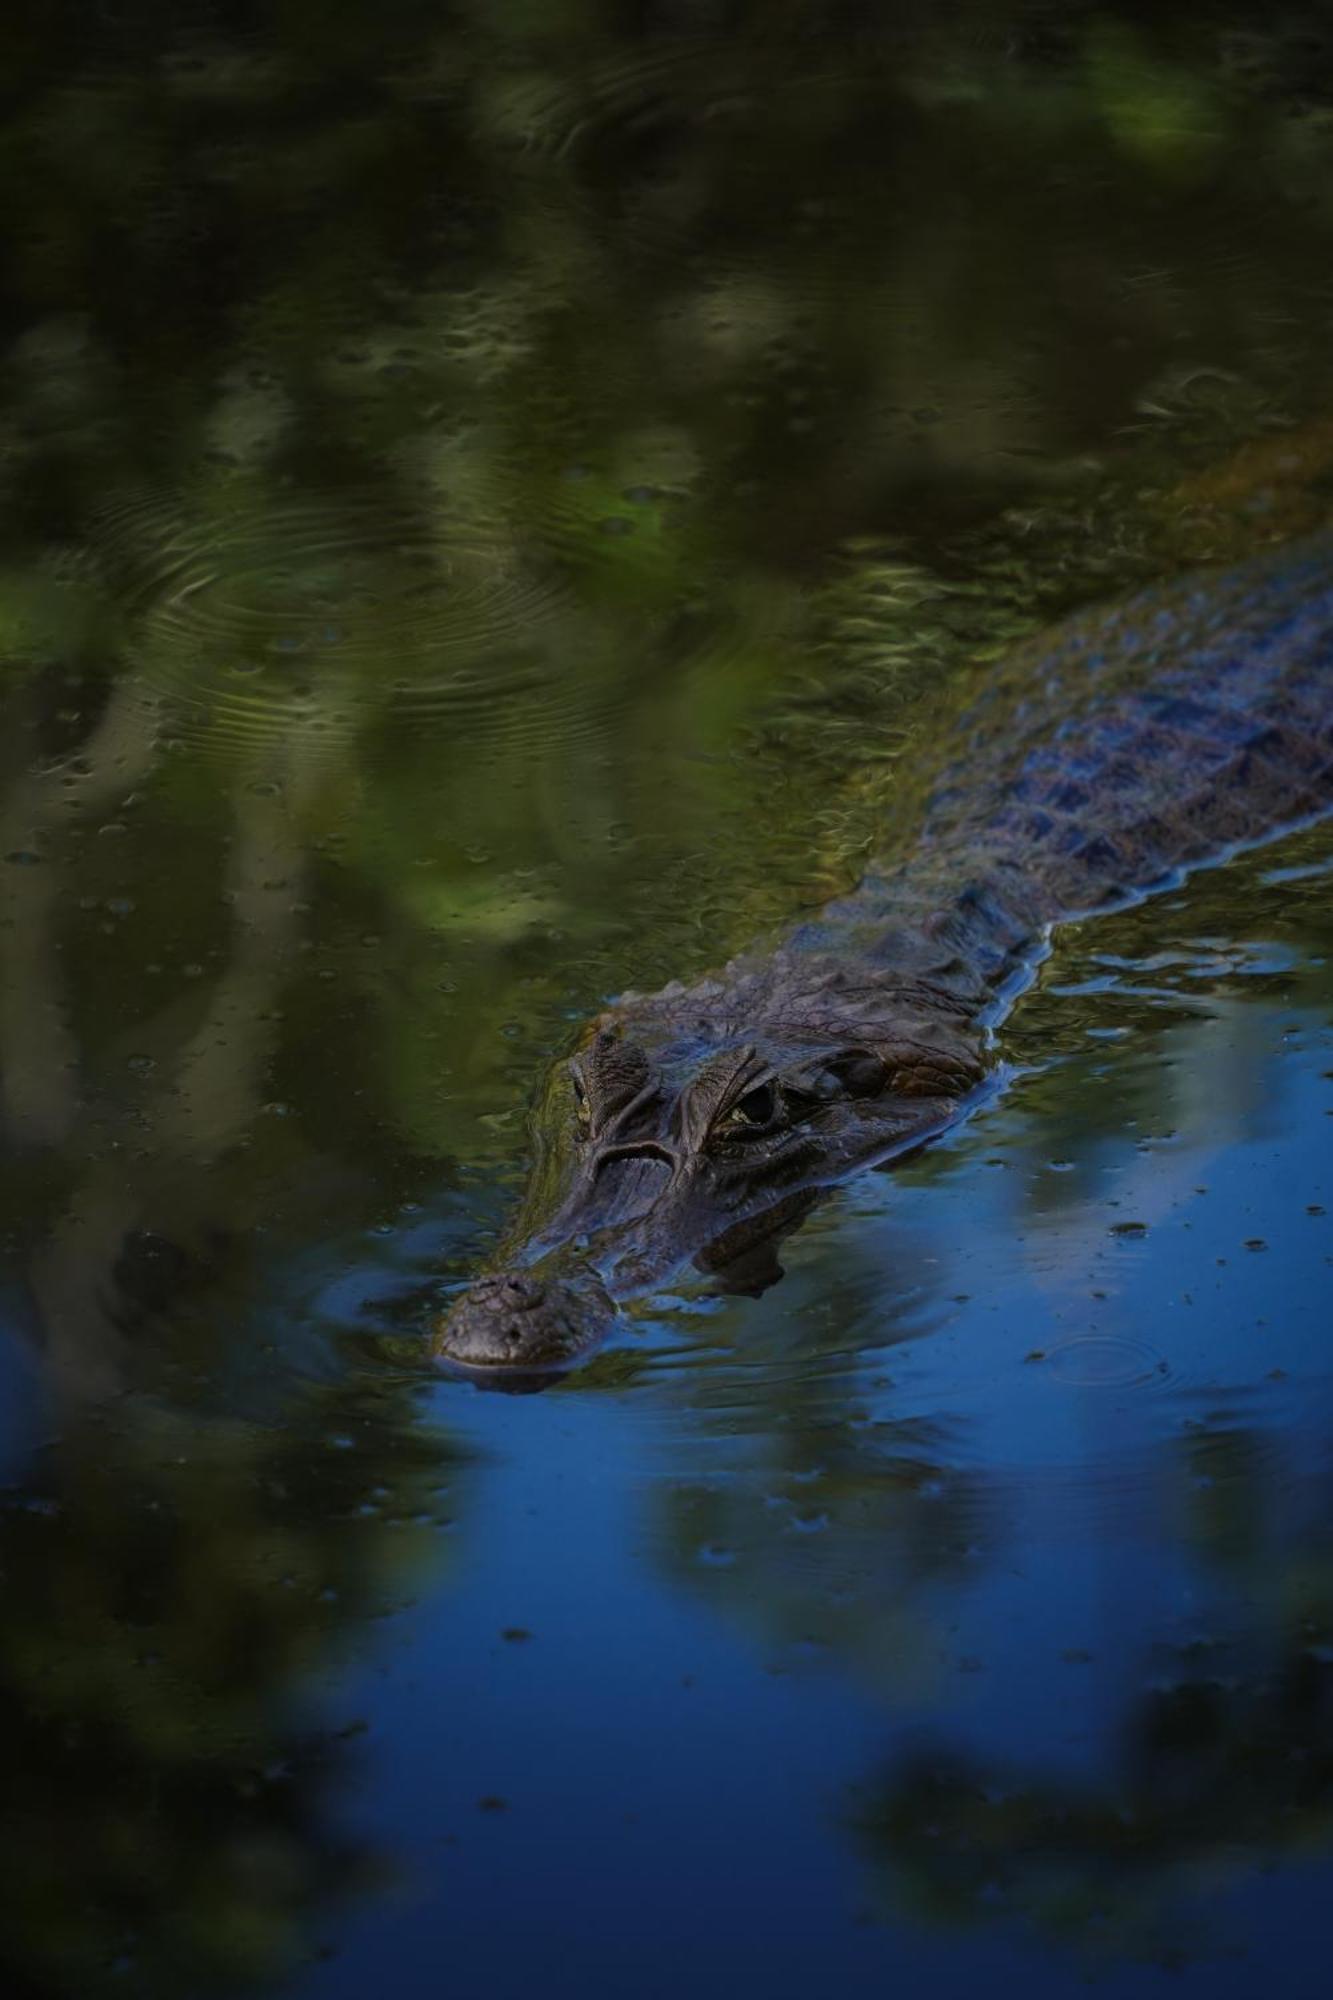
1103 762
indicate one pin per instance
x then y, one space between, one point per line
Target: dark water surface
501 503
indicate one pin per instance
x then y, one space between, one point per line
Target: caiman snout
527 1321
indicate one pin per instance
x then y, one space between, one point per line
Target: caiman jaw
526 1323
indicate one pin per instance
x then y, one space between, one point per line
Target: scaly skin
1101 764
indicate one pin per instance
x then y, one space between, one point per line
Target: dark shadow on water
180 1593
1218 1779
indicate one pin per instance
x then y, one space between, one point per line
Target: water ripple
320 611
1107 1361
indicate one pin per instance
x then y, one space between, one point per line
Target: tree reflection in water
1218 1776
226 1504
178 1590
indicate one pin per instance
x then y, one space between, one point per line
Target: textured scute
1197 717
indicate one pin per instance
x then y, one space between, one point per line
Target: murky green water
502 504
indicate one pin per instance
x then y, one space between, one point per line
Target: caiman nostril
522 1294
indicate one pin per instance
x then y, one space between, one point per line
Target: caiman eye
582 1108
756 1109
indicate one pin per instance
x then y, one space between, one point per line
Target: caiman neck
952 938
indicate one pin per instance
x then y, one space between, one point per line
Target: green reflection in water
179 1590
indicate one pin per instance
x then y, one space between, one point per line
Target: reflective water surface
503 504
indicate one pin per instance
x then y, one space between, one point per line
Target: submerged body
1103 761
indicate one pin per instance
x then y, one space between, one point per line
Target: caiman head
697 1126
